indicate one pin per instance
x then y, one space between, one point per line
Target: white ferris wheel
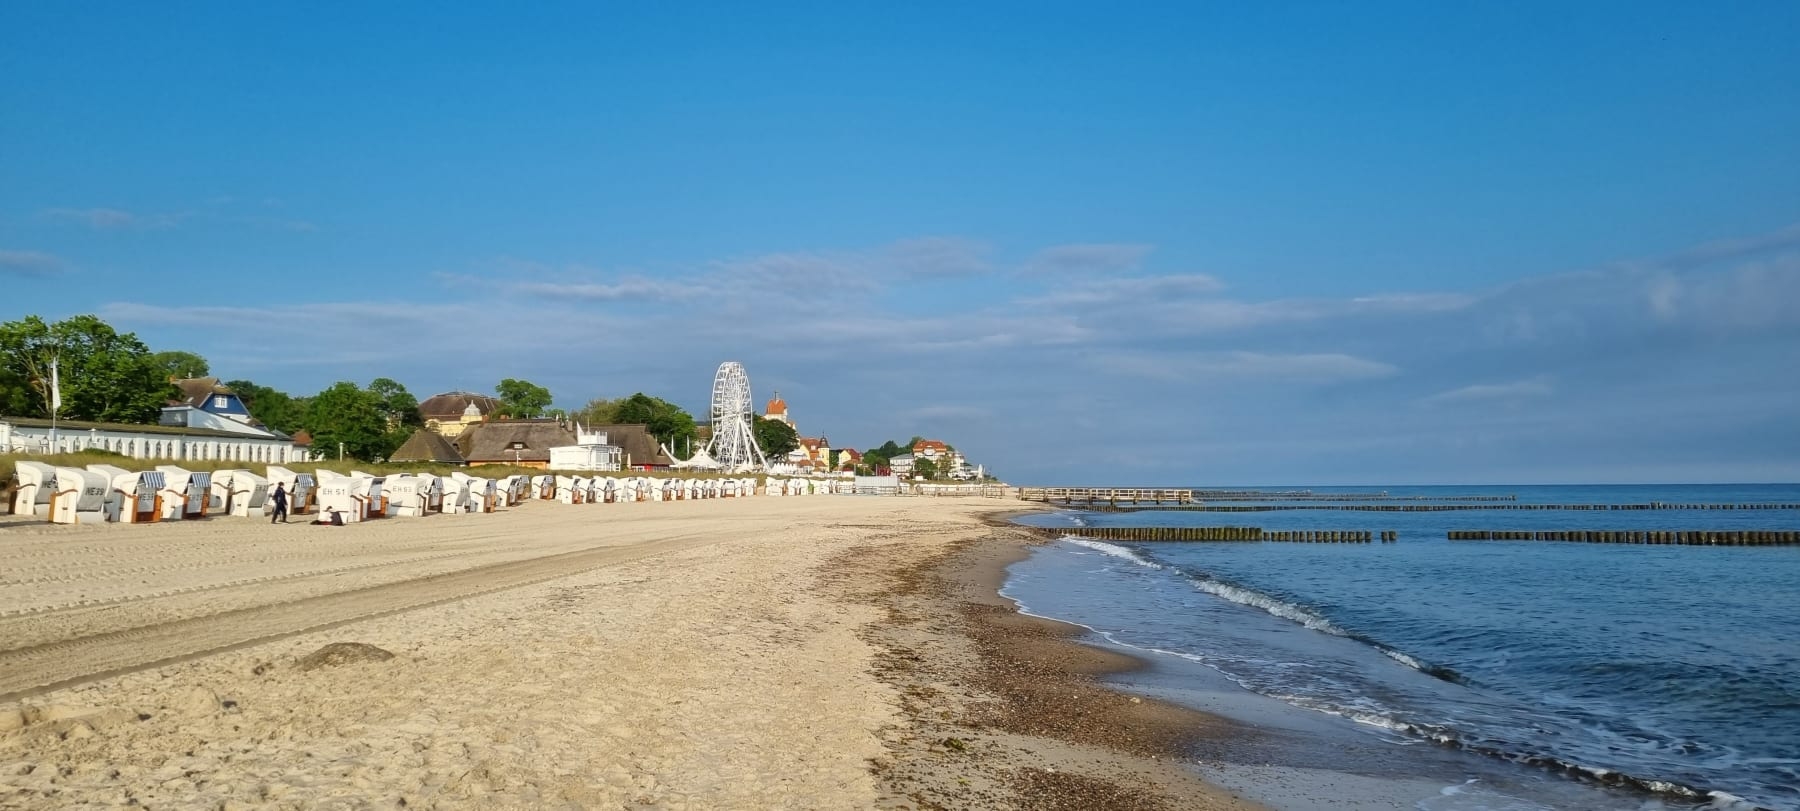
733 442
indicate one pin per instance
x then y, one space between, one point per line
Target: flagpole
55 401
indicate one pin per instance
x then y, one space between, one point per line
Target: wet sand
805 652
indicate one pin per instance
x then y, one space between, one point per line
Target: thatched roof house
427 446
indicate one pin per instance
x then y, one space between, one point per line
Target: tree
889 450
354 417
400 407
179 365
273 408
776 438
522 399
666 421
105 375
598 411
925 468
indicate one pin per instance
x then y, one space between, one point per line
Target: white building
591 452
187 433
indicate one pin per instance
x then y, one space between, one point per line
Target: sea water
1670 674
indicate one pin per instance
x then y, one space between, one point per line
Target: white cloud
1202 368
939 256
626 289
113 219
1487 392
949 412
30 263
1089 258
1128 290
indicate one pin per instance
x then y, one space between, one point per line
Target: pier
1106 495
1200 506
1220 534
1735 537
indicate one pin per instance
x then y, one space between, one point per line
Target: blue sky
1184 243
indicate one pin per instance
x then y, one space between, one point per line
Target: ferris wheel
733 443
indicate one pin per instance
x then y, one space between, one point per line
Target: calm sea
1671 672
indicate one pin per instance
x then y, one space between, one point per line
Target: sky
1179 244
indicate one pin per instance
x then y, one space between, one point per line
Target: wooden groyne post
1223 534
1734 537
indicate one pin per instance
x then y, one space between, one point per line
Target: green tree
105 375
889 450
776 438
348 414
179 365
399 406
522 399
598 411
925 468
273 408
666 421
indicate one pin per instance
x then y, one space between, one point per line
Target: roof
426 446
196 390
509 440
171 430
776 405
851 453
451 404
640 447
929 444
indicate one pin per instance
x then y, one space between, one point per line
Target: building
426 445
777 410
178 441
959 467
209 395
642 452
590 453
901 465
523 443
528 443
814 453
848 459
453 412
931 449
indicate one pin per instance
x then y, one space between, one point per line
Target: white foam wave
1403 659
1116 551
1279 608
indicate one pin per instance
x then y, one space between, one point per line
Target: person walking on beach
279 497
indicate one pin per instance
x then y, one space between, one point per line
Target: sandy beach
825 652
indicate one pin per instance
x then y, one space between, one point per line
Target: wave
1392 719
1105 548
1275 606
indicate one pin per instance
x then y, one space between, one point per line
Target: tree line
110 376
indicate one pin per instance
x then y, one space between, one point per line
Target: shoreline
1018 704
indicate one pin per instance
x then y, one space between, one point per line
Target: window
221 401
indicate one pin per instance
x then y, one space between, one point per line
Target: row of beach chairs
104 493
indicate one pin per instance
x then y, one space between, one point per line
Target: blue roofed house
209 395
